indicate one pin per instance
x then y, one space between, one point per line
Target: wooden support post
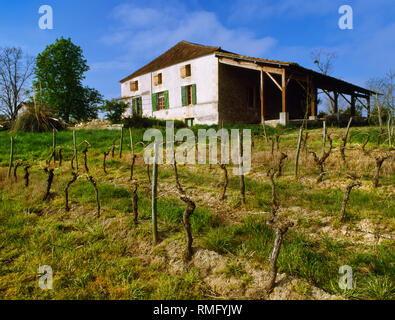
53 145
11 157
121 141
352 105
262 102
368 106
75 149
313 100
284 92
336 104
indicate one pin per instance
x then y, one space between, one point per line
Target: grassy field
111 258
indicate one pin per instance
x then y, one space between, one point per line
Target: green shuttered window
137 106
188 94
184 96
154 101
160 101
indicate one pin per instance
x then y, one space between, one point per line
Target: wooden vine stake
264 128
11 157
121 142
300 142
344 139
75 155
131 141
241 171
66 190
154 195
135 201
323 137
53 155
187 213
298 151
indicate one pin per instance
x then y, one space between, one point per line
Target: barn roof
184 51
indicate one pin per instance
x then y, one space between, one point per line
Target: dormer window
186 71
134 86
158 79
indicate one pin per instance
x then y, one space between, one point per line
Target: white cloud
144 33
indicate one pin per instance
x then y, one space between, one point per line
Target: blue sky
118 37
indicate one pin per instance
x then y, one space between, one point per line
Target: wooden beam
274 80
361 102
303 87
261 92
368 106
328 94
284 92
313 100
349 102
249 65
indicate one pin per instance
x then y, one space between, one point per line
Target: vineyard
82 203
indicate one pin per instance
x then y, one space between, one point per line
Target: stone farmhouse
207 85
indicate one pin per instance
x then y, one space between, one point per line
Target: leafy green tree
114 110
59 73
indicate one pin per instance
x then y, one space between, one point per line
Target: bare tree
324 61
15 71
379 100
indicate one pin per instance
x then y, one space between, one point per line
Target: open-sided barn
208 85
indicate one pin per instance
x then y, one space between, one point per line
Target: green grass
99 258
